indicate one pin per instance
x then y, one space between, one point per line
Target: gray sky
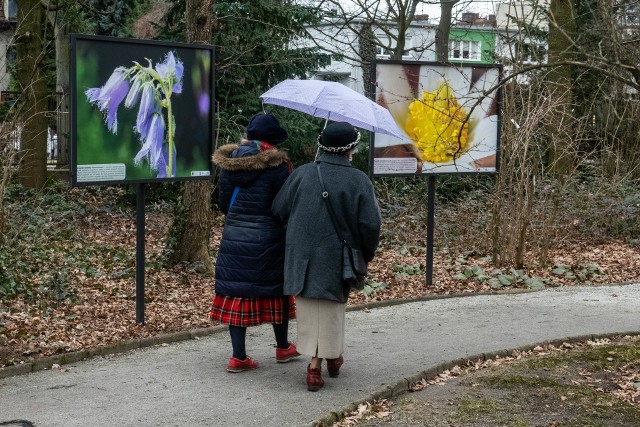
484 7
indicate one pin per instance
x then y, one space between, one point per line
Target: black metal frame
123 43
439 64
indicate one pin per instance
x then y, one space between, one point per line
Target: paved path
185 384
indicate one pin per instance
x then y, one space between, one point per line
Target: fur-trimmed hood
262 160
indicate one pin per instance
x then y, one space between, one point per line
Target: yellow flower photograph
449 114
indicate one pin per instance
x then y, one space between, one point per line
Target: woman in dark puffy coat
250 264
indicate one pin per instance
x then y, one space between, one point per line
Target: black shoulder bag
354 267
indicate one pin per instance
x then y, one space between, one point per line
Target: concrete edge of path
120 347
402 386
44 363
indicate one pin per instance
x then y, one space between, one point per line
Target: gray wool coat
313 254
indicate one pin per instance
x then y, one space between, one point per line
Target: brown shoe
333 366
314 379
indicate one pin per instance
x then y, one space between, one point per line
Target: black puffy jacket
250 260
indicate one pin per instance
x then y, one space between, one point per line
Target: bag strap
325 196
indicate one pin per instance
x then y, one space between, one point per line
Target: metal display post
431 195
140 237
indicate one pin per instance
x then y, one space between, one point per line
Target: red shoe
333 366
283 355
314 379
237 365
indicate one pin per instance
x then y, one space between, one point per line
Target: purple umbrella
332 101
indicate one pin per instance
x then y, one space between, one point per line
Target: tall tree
62 17
258 44
29 40
108 15
192 219
55 20
608 61
256 47
444 28
367 53
562 51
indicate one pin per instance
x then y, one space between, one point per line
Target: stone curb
121 347
402 386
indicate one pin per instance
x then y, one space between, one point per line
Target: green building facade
472 45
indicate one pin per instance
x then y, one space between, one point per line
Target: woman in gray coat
313 254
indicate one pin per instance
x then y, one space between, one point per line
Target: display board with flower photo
449 115
141 111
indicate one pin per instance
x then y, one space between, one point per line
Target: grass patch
608 357
519 381
483 411
563 389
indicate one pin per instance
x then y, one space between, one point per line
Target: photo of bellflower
142 111
149 88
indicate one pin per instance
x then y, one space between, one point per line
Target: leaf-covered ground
81 290
593 383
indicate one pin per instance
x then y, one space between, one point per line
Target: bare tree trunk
33 98
192 218
444 28
367 55
562 29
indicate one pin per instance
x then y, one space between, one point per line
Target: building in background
342 42
472 39
518 24
8 17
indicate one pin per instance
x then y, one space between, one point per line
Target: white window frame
382 53
465 50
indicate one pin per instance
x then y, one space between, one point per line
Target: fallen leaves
367 410
629 383
99 309
627 378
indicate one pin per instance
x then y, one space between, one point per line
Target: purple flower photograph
142 110
154 86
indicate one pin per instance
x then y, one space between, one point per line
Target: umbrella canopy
332 101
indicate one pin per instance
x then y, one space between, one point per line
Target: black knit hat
338 137
265 127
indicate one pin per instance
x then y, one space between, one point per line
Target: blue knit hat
265 127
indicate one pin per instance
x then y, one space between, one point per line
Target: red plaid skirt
238 311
